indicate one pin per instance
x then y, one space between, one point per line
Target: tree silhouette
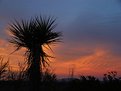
34 35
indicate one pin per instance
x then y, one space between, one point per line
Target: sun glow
97 63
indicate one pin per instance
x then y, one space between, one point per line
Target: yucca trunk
35 68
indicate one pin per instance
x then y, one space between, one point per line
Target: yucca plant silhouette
34 35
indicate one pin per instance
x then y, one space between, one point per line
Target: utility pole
71 70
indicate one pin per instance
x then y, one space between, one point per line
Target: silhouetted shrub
20 74
48 76
3 69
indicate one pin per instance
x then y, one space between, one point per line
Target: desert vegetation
19 81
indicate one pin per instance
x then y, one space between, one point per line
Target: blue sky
67 12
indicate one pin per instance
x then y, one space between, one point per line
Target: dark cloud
94 31
98 27
72 52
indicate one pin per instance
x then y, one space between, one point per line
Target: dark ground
84 84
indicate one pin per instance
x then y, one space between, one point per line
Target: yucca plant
34 35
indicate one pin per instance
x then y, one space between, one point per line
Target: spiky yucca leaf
36 32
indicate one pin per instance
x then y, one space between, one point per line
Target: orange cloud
5 51
95 63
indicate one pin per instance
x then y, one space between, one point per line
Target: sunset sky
91 33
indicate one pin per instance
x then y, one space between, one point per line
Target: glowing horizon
95 64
